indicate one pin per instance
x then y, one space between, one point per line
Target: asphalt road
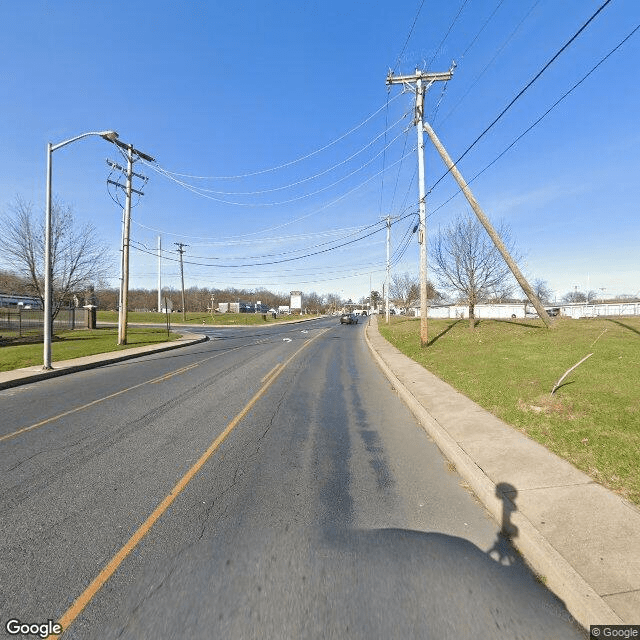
266 484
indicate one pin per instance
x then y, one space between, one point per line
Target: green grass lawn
510 368
194 318
74 344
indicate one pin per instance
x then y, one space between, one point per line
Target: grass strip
75 344
510 367
151 317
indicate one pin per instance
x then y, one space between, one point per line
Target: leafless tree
467 262
313 302
542 290
78 258
580 296
404 291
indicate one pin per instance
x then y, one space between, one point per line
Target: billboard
296 301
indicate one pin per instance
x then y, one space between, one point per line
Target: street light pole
110 136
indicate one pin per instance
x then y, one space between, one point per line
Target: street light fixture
109 136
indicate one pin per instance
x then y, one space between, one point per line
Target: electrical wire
292 184
204 192
285 164
488 65
482 28
284 253
258 264
446 35
406 42
527 86
290 222
538 120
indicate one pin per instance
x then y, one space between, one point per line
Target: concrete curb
16 377
579 597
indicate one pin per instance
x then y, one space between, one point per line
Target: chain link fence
17 324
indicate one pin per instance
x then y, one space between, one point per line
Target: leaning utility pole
128 189
181 251
522 281
420 77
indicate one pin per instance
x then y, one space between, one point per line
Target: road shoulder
581 538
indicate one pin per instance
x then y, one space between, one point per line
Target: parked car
348 318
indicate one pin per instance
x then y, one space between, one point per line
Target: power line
498 52
527 86
462 6
482 28
258 264
536 122
284 253
170 175
298 219
204 192
285 164
406 42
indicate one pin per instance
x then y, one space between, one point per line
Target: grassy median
150 317
74 344
510 367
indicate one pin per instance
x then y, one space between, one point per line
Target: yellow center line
87 595
176 372
270 373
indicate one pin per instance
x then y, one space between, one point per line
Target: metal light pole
110 136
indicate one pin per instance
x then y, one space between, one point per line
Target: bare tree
333 301
467 262
314 302
78 258
542 290
574 296
404 291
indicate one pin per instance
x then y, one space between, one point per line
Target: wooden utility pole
420 77
132 156
522 281
181 251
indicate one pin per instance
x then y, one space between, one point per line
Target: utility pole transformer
180 246
419 82
522 281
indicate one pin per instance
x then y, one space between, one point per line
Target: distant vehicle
348 318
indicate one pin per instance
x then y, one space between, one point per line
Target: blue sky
276 136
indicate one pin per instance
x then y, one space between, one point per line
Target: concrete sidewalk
583 539
34 374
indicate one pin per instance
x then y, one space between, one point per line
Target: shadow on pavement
457 589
